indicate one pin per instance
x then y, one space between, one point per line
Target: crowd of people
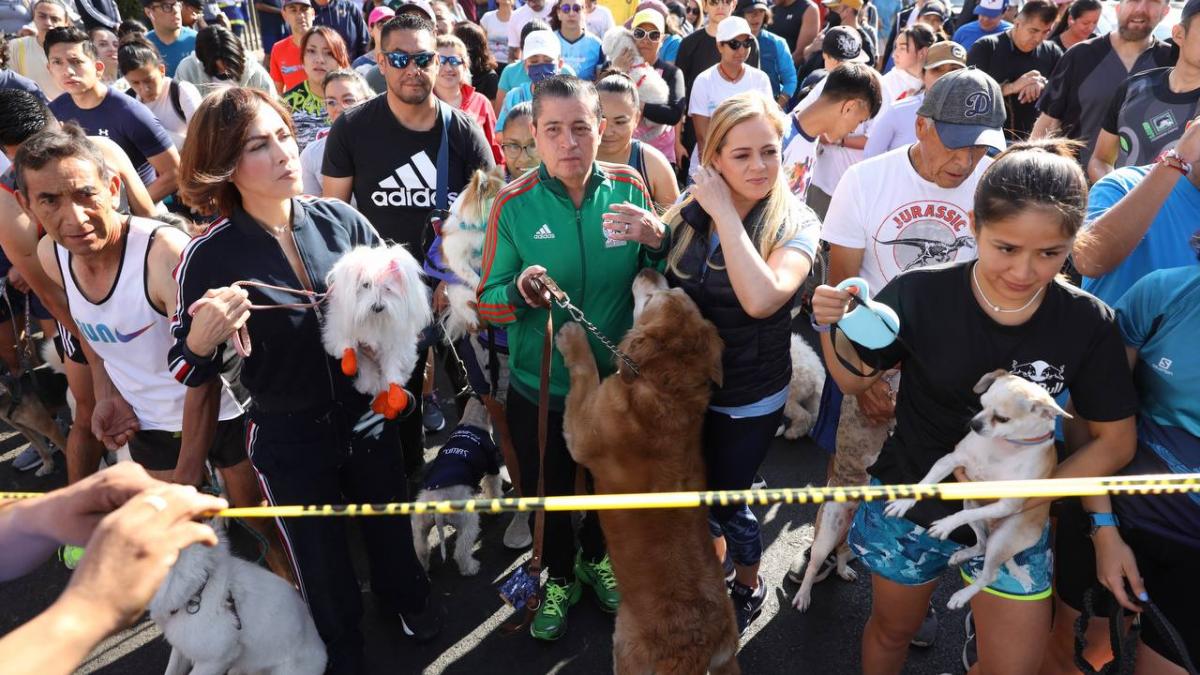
1021 189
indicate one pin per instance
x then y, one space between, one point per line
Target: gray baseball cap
967 108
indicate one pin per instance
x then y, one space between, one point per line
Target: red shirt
287 66
478 106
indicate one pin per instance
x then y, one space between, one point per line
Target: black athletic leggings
558 544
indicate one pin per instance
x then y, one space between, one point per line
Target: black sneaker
759 483
425 625
800 565
431 414
747 603
927 633
969 653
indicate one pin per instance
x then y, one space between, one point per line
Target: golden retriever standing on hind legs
642 433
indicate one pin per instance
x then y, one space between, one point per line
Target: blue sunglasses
400 59
455 61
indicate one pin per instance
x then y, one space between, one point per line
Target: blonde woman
742 245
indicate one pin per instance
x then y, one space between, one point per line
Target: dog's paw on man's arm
898 507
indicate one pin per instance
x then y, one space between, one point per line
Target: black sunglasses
568 9
400 59
693 10
642 34
738 44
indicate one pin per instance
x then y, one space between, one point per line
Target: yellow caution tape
1015 489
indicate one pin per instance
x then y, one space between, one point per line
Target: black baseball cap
744 6
1192 8
843 44
967 108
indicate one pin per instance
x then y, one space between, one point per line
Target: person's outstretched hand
134 547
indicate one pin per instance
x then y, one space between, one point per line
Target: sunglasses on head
738 44
568 9
400 59
455 61
642 34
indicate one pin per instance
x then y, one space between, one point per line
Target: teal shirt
175 52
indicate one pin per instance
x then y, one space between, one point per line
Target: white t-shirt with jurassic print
899 219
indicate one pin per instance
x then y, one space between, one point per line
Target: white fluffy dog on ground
621 49
804 389
376 309
222 614
467 459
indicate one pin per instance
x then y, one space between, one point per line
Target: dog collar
1032 441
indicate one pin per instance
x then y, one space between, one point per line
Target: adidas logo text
543 232
413 184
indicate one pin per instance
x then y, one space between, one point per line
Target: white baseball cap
731 27
541 43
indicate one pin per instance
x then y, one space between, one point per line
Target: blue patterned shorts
898 550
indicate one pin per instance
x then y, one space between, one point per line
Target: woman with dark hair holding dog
312 438
1006 310
741 246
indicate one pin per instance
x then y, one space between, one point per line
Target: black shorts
1167 569
68 346
159 450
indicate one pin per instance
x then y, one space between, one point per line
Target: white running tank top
132 336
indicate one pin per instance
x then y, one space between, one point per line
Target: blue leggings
734 448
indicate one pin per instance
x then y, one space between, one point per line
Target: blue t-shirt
670 48
515 75
175 52
123 120
521 94
1166 242
11 80
969 33
1160 317
583 55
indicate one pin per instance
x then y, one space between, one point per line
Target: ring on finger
156 502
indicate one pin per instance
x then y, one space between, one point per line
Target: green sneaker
550 622
70 555
599 575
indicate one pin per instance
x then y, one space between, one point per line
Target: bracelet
819 327
1171 158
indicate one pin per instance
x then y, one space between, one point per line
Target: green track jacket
534 222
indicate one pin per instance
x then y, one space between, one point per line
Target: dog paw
349 362
801 601
847 573
941 529
468 567
961 598
45 470
572 342
962 556
898 507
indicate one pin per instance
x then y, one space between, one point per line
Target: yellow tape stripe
1018 489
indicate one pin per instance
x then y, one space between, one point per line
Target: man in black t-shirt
384 153
1151 110
1079 92
788 20
1020 59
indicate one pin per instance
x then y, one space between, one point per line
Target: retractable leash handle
871 324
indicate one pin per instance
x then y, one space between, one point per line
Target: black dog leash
1124 644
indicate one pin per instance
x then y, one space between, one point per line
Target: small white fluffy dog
456 473
462 249
375 311
222 614
1011 439
804 389
621 49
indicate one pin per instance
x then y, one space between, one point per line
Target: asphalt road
825 640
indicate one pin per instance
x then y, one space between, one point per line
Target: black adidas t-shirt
1071 344
395 169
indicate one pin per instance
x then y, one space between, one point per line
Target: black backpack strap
173 92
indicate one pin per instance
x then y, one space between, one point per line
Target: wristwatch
1099 520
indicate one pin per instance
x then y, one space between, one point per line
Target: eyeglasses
642 34
738 44
693 10
455 61
516 149
399 60
719 2
567 9
166 6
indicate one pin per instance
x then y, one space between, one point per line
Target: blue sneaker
28 460
431 414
